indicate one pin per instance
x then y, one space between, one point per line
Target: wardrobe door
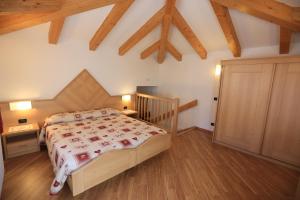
282 139
242 111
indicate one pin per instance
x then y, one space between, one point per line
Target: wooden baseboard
187 130
204 130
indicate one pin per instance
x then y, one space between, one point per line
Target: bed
86 148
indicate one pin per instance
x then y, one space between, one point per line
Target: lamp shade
126 98
20 105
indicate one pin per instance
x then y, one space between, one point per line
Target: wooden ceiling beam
167 15
270 10
226 24
296 14
150 50
166 23
110 21
285 40
174 52
142 32
13 22
188 33
32 6
55 30
155 47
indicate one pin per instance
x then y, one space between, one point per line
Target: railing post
134 103
175 117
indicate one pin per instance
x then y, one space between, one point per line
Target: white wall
30 68
194 78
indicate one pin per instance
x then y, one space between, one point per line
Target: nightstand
129 113
20 140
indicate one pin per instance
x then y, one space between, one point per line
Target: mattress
73 144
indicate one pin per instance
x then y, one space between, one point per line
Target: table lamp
20 106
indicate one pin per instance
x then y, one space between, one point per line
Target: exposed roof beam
110 21
150 50
270 10
296 14
173 51
55 30
226 24
285 40
167 15
143 31
166 23
155 47
32 6
188 33
13 22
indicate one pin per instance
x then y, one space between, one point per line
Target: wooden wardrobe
259 107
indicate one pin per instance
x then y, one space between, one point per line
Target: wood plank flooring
193 168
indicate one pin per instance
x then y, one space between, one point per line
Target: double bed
92 162
89 147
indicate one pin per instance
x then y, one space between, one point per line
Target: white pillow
76 116
60 118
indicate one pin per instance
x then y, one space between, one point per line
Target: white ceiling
251 31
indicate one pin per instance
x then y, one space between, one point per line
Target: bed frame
115 162
85 93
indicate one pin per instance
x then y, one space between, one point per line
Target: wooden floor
192 169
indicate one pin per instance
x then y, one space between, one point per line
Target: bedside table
129 113
20 140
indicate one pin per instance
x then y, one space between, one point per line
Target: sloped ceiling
251 31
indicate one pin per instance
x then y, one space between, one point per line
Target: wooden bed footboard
115 162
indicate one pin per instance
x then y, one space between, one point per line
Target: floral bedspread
73 144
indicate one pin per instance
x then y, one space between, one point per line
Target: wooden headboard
82 93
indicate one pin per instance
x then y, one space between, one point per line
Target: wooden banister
155 97
156 110
188 105
182 108
175 116
161 110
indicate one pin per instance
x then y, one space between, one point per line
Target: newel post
175 116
